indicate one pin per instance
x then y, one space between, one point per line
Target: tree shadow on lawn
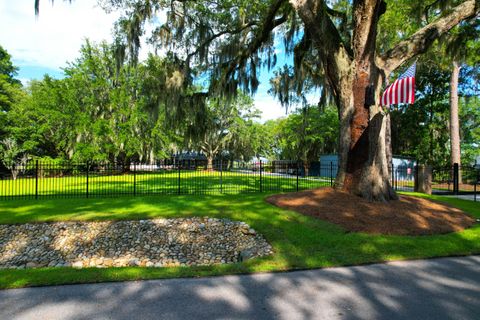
406 216
190 182
299 242
367 292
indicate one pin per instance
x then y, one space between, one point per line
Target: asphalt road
447 288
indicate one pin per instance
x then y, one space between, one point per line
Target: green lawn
166 182
299 242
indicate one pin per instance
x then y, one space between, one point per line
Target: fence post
475 192
475 186
415 179
178 165
221 175
36 179
455 178
331 174
298 172
393 176
261 185
134 179
88 169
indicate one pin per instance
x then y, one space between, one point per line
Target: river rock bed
145 243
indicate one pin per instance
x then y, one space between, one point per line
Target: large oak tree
335 48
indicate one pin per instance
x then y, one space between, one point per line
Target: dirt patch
406 216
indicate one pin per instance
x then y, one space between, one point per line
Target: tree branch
269 24
337 14
334 56
421 40
366 14
219 34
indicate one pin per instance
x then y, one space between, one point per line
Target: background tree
250 139
44 121
97 112
10 88
307 133
462 46
422 130
470 133
223 122
12 155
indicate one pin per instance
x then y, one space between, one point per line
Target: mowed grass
161 182
299 242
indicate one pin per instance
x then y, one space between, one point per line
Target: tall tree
462 46
11 155
307 133
43 123
231 40
95 113
10 88
221 122
454 120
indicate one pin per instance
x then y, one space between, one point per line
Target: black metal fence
34 180
449 180
403 178
456 180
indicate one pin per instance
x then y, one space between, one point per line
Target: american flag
402 90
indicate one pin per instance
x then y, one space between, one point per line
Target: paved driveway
447 288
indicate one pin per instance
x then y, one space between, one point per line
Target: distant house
404 166
192 155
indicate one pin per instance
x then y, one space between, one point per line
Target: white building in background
404 166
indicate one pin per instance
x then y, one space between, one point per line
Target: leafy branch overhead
230 41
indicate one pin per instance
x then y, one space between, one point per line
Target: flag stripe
412 97
390 94
407 89
399 90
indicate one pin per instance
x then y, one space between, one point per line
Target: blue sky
43 45
28 71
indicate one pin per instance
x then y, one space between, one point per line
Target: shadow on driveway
444 288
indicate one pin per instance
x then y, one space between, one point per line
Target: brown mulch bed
406 216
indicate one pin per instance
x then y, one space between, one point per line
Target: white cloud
271 108
24 81
54 37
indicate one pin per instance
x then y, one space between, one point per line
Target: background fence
40 180
455 180
35 180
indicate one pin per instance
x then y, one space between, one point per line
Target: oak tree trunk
364 167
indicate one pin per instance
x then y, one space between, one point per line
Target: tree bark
14 172
209 163
306 168
388 143
454 122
